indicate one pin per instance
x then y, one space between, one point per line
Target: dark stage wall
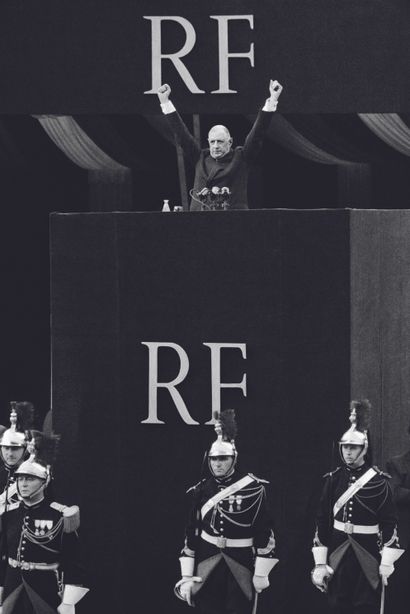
277 281
380 279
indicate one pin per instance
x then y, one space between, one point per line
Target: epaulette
10 507
332 473
258 479
380 472
195 486
71 516
13 506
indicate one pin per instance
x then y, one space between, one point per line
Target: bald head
220 141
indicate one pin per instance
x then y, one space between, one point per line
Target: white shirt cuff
167 107
270 105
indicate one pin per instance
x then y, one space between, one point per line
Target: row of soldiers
229 547
40 571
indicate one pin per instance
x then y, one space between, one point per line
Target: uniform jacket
231 170
399 469
43 533
371 505
240 516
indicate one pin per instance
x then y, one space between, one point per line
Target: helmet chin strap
358 462
35 497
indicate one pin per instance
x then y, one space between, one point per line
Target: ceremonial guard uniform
356 522
13 449
40 573
229 544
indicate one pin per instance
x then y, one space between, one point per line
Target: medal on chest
41 527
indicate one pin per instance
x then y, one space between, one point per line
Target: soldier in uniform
40 573
229 543
13 449
356 543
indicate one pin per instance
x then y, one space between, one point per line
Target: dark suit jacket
230 171
399 468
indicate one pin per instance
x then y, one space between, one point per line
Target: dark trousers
349 590
221 594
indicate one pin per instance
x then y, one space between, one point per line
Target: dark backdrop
94 56
275 280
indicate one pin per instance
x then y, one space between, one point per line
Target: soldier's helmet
21 420
357 434
224 444
43 451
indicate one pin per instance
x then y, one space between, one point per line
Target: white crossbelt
363 529
226 492
227 542
353 489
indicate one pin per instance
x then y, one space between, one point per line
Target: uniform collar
227 481
33 507
356 471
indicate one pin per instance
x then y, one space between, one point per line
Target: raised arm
182 135
254 140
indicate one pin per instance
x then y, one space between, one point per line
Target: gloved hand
320 576
260 583
389 557
183 588
65 608
385 572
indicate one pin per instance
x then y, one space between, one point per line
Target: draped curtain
113 148
110 183
390 128
354 178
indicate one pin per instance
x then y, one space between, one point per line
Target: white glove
389 557
260 583
320 576
72 594
184 588
385 572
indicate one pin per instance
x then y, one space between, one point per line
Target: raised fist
275 89
164 92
